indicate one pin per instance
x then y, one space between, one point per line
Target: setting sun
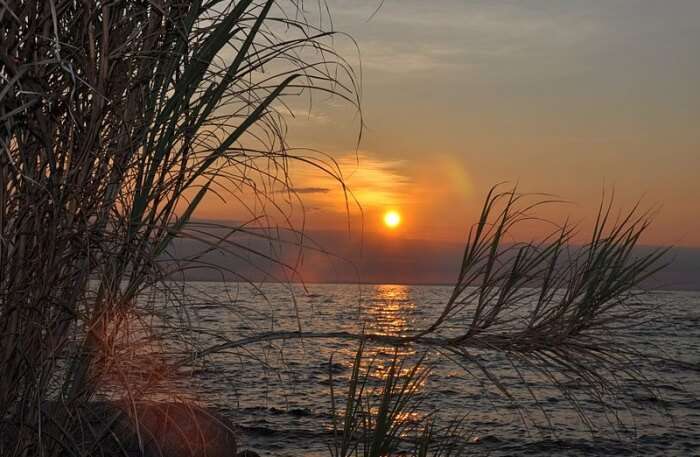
392 219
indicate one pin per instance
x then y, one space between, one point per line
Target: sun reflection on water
390 310
394 374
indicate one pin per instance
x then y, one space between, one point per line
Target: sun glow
392 219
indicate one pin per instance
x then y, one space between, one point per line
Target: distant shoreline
404 262
689 288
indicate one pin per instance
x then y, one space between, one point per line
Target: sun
392 219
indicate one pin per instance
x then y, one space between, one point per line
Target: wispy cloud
420 36
310 190
305 115
371 181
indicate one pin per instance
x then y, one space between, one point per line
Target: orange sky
563 97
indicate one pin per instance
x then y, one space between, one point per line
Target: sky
570 98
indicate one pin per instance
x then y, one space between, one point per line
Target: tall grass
117 119
380 425
554 309
385 419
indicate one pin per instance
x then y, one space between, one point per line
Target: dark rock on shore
141 429
181 430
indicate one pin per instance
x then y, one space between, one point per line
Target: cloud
374 181
305 115
418 36
309 190
368 180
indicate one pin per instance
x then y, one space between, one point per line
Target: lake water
278 392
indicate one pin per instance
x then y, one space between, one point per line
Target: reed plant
551 308
381 418
117 119
554 309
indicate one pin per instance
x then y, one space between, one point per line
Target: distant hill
338 257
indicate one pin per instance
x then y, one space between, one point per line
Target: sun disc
392 219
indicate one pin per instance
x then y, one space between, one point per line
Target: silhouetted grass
556 311
117 118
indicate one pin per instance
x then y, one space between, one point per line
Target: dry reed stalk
117 118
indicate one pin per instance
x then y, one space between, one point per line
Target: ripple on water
280 394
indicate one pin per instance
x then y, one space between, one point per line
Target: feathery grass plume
553 309
117 118
383 417
375 420
556 311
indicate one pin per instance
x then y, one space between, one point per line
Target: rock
300 412
182 430
149 429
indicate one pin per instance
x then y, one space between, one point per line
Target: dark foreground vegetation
118 118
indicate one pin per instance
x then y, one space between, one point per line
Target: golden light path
392 219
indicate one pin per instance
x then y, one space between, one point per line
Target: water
278 392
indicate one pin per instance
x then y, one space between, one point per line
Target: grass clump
117 118
382 418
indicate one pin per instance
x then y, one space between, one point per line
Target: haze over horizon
569 98
377 258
